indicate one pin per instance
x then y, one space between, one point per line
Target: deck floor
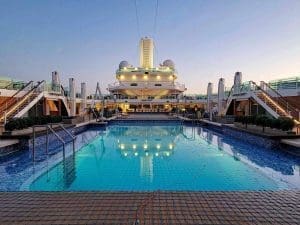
32 208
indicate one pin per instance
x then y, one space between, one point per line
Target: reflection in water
146 143
171 157
146 167
69 171
220 143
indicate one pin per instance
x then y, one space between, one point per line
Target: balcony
146 85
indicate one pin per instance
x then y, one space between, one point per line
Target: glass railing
287 83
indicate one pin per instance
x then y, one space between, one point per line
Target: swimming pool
168 156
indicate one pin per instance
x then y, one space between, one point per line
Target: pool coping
159 207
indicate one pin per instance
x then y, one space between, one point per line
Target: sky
206 39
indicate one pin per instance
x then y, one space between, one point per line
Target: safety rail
19 101
12 99
275 96
280 100
49 127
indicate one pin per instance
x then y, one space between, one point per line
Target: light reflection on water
170 157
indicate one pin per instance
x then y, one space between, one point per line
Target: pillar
221 95
209 99
55 81
72 97
83 97
237 82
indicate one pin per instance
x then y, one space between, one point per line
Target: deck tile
265 207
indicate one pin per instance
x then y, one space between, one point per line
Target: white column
83 97
55 81
237 82
221 95
72 96
209 99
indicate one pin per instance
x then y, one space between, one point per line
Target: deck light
133 77
145 146
136 154
167 153
156 154
170 146
147 153
170 77
134 146
125 154
145 77
122 146
158 77
158 146
122 77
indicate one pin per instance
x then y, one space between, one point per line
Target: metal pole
47 140
33 143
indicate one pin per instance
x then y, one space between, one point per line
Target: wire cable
155 19
137 19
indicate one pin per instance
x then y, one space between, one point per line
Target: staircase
271 100
276 102
18 104
270 103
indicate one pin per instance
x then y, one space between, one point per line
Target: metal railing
50 128
12 99
278 99
17 102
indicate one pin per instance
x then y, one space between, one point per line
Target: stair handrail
228 100
11 100
279 99
16 103
279 95
68 132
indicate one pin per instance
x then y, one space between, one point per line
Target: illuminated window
145 77
122 77
158 77
133 77
170 77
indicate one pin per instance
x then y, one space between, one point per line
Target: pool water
168 157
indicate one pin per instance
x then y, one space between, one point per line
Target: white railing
152 85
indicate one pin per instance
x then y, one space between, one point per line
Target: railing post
47 140
33 143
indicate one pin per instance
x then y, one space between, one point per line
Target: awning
52 106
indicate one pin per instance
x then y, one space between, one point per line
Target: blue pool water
166 157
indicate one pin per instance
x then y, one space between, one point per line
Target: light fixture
145 77
133 77
145 146
170 77
134 146
136 154
170 146
156 154
122 77
158 77
158 146
122 146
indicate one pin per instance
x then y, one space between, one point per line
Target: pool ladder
49 127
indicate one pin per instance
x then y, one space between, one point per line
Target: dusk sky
206 39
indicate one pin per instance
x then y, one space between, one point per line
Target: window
157 84
134 84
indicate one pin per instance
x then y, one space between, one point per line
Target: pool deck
264 207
